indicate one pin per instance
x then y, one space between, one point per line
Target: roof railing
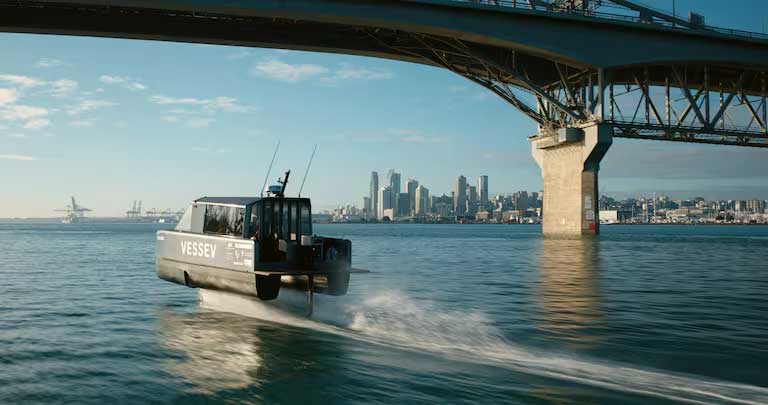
657 17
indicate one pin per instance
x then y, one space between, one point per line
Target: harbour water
449 314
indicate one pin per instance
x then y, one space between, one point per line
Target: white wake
393 320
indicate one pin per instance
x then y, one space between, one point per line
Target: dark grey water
450 314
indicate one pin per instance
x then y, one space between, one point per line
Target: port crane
75 212
135 211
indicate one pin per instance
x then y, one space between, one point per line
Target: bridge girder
686 101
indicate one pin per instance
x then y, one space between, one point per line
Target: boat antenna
284 183
270 169
307 172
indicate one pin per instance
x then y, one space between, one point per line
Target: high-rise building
460 196
385 201
374 191
393 181
422 200
756 206
411 188
471 200
403 205
520 200
367 206
482 190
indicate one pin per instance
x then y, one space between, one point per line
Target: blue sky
112 121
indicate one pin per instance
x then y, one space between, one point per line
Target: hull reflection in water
568 290
234 358
218 351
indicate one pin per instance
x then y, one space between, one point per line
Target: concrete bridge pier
569 162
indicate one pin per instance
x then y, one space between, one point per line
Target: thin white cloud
81 123
48 63
23 81
18 135
349 72
36 124
111 79
181 111
423 139
276 69
199 122
8 96
61 87
89 105
285 72
22 113
414 136
136 86
171 119
125 82
209 105
56 87
163 100
18 157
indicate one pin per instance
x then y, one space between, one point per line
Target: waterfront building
460 196
403 205
471 200
367 206
520 200
482 193
756 206
411 187
389 213
374 194
422 200
482 190
393 181
484 216
385 201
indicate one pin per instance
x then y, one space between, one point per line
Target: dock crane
75 212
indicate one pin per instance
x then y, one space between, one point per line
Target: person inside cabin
255 233
238 230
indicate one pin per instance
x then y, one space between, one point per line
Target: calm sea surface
449 314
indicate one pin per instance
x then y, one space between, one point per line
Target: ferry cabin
252 245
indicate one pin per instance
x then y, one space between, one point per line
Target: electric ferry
254 246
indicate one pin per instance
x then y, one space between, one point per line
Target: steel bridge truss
695 103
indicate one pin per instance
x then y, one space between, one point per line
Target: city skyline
85 117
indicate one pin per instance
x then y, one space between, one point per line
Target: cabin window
306 220
277 225
224 220
286 225
255 231
294 220
268 221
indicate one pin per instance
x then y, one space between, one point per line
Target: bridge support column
569 164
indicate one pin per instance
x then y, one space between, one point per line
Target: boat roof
239 201
242 201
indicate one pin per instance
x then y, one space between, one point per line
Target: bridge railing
538 5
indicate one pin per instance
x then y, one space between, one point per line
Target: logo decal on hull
198 249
